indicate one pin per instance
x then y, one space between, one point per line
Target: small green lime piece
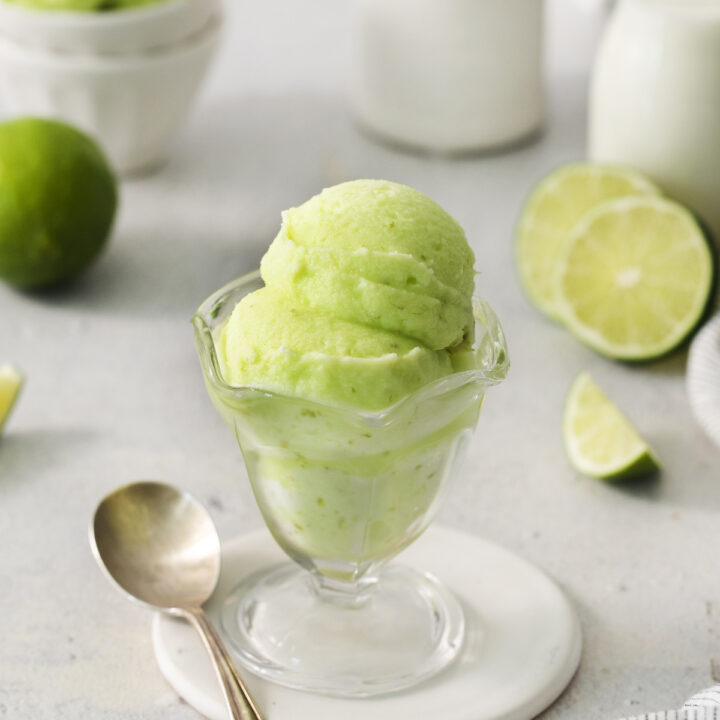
11 380
553 209
599 439
58 198
636 277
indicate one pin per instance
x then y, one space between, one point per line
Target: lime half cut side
11 380
599 440
636 278
553 209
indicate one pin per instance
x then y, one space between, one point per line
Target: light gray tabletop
114 393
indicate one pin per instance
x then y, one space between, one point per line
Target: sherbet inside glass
351 421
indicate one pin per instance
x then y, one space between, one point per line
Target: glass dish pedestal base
401 630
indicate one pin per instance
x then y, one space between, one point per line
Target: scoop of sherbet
381 254
272 344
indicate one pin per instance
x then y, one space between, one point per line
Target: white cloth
703 706
703 378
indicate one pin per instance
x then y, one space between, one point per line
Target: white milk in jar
448 75
655 98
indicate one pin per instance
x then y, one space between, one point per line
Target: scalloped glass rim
490 349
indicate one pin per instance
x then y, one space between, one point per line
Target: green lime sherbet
380 254
351 374
368 296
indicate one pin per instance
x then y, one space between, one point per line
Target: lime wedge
599 440
636 277
11 380
553 209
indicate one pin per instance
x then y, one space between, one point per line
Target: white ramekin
118 32
132 104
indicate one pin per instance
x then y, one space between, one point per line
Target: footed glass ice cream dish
344 485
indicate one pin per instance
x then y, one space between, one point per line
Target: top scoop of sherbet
380 254
368 295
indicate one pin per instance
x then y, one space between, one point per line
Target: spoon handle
236 675
238 699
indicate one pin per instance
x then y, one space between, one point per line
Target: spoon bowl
158 544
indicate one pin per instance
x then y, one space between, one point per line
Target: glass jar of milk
655 98
448 75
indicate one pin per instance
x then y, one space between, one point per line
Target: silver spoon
159 546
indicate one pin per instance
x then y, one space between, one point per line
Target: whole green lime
58 198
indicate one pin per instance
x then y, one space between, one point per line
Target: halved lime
554 208
11 380
636 277
599 440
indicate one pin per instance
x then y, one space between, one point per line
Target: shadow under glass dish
343 491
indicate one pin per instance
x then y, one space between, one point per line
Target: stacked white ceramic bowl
127 77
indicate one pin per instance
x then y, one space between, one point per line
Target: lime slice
554 208
636 277
11 381
599 440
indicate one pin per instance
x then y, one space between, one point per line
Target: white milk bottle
448 75
655 98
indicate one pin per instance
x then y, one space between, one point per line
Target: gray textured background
114 393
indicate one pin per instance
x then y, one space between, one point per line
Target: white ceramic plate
521 650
